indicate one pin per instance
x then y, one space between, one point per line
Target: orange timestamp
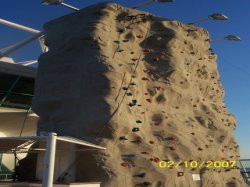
198 164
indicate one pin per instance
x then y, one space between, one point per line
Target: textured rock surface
145 87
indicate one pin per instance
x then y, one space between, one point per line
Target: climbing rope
126 91
24 121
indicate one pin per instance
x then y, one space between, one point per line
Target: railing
5 173
245 169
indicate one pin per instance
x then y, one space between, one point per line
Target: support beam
6 51
18 26
49 161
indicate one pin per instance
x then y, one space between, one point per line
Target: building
16 117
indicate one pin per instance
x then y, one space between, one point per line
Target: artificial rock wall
146 88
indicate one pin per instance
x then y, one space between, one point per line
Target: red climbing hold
171 138
144 20
146 50
156 160
139 36
125 164
162 53
151 142
149 100
145 79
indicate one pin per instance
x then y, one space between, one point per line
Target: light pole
229 37
152 1
215 16
59 2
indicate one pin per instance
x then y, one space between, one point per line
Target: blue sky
233 57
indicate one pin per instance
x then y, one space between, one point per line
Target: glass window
15 91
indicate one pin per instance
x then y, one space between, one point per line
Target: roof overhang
17 69
21 144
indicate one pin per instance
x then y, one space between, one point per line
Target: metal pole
9 91
7 51
197 21
244 169
17 26
69 6
218 40
143 4
49 160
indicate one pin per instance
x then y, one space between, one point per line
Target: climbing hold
141 175
120 50
142 112
120 30
156 59
151 142
147 183
125 40
144 20
192 133
145 153
139 36
172 148
125 164
133 103
155 159
171 138
124 88
138 121
132 84
146 50
162 53
129 94
137 140
158 87
145 79
180 174
200 149
135 129
149 100
131 17
122 138
116 41
134 59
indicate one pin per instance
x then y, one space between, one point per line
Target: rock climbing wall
146 88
